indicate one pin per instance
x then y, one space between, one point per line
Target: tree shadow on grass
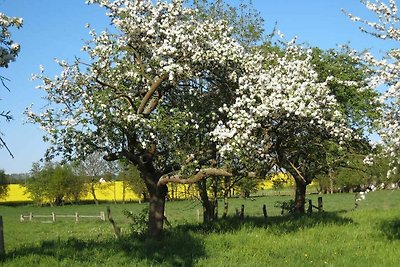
177 249
391 229
277 224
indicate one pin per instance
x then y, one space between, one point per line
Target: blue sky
56 29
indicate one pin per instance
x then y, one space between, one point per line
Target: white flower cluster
284 97
8 48
156 47
386 74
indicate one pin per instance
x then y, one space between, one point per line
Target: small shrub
139 222
287 206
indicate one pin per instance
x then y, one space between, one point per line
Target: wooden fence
54 216
240 212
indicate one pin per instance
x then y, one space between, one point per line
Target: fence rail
54 216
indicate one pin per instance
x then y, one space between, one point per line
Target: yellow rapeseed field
16 193
110 191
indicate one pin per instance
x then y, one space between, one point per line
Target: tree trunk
208 206
93 192
226 205
300 197
331 181
123 192
156 213
58 200
227 192
157 196
215 191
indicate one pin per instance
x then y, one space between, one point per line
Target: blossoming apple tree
145 94
284 116
9 50
385 74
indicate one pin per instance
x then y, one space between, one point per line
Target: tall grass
341 236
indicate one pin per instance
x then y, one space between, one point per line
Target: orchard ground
340 236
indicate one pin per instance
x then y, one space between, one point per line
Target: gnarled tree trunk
157 194
208 206
300 197
156 212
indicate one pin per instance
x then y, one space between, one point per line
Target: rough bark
300 197
200 175
157 194
208 206
301 187
156 213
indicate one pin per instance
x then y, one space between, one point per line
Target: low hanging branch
180 179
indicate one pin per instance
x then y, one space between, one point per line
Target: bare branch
3 144
2 78
130 100
203 173
106 84
297 171
6 115
151 106
151 91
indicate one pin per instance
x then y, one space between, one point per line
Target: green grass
341 236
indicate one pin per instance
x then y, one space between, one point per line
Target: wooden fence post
117 230
53 216
76 217
265 211
309 210
2 249
242 212
21 218
320 205
30 216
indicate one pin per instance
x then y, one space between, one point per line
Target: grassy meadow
341 236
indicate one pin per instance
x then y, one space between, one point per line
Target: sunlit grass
341 236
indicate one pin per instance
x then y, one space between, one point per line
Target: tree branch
139 61
2 78
106 84
151 91
3 144
298 172
180 179
151 106
130 100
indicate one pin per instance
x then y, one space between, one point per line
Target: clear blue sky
56 29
